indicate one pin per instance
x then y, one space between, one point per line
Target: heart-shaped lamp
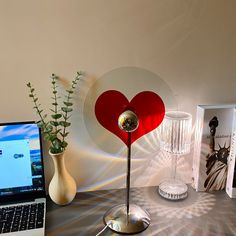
147 105
129 121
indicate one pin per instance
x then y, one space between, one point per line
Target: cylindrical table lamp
176 140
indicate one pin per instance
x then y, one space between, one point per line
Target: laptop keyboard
23 217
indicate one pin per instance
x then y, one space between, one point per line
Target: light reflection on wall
97 158
160 164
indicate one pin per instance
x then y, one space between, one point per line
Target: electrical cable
104 228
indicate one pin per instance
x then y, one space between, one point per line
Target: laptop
22 186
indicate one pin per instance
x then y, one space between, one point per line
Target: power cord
109 222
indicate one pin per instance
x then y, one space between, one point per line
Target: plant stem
36 106
55 99
68 98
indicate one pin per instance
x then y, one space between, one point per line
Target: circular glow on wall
100 152
129 81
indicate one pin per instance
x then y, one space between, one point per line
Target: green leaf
56 116
56 146
48 129
64 123
46 137
32 90
66 109
54 123
54 103
55 150
56 143
68 104
53 138
28 84
31 95
69 91
40 124
36 99
54 92
64 144
66 117
56 132
64 134
79 73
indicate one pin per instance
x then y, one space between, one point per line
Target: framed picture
212 146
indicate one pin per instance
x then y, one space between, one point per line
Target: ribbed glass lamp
176 140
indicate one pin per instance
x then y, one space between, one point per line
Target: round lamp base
117 219
173 189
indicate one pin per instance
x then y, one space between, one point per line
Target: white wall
190 44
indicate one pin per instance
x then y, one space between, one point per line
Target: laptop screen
21 165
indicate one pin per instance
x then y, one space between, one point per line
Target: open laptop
22 187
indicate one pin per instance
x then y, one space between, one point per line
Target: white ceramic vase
62 188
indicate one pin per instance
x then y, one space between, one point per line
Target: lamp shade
176 132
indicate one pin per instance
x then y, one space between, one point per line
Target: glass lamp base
117 220
173 189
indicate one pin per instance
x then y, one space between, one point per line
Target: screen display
20 159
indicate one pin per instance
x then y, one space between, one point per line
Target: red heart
147 105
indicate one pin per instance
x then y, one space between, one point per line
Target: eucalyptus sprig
54 127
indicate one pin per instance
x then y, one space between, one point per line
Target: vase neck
58 160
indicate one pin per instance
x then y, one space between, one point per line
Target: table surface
199 214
